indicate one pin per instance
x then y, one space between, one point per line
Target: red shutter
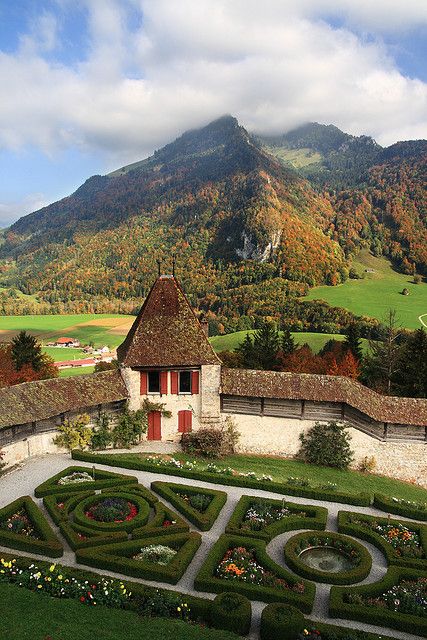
163 382
194 382
143 383
185 421
174 382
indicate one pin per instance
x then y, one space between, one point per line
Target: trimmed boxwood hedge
203 521
70 531
328 630
359 499
281 621
357 574
103 480
207 581
155 526
138 521
385 503
345 526
115 557
58 515
47 545
315 518
380 616
232 612
199 608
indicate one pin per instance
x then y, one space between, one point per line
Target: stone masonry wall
280 436
210 398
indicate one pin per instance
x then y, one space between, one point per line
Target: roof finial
159 264
173 264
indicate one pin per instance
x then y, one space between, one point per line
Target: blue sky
90 85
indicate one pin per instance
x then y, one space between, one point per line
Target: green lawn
86 327
377 293
230 341
78 371
25 615
59 354
280 469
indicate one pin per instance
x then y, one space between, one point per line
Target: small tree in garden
102 435
212 442
74 434
327 445
131 425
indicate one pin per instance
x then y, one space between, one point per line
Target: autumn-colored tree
348 366
9 375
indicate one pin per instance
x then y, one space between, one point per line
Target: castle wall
280 436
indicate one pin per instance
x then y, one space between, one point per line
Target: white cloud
274 65
11 211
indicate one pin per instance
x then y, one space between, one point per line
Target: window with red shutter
143 383
174 382
163 382
194 382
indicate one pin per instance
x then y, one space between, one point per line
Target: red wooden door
185 421
154 426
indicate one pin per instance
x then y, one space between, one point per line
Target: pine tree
353 342
381 366
26 350
246 352
287 342
266 346
412 375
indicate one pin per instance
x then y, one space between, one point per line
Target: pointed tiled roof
166 332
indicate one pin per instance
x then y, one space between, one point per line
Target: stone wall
35 445
210 398
280 436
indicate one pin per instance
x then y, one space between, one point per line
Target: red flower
82 599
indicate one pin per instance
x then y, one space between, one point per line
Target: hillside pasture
316 341
379 291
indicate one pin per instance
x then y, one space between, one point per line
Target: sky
91 85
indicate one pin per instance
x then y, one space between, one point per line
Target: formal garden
126 539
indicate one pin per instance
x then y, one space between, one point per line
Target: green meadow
377 293
316 341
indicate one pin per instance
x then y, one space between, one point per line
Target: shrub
102 435
327 445
281 621
212 442
232 612
367 464
74 434
129 428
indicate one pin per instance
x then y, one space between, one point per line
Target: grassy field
101 329
377 293
59 354
26 615
316 341
280 469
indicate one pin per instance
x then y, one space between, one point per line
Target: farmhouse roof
166 332
306 386
65 340
32 401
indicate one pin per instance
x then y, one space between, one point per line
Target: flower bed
397 601
121 557
244 563
97 480
107 512
76 478
403 544
227 477
180 496
24 527
406 508
360 559
157 553
274 517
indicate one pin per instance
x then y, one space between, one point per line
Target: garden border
109 557
316 518
203 520
360 499
139 520
378 616
357 574
106 479
206 581
378 541
387 504
48 545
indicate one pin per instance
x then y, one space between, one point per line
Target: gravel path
22 481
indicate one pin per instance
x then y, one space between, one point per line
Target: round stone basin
326 559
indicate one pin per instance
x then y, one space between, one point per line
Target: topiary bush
281 621
232 612
211 442
327 445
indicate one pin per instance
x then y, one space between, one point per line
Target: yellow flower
178 608
52 567
60 577
39 586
